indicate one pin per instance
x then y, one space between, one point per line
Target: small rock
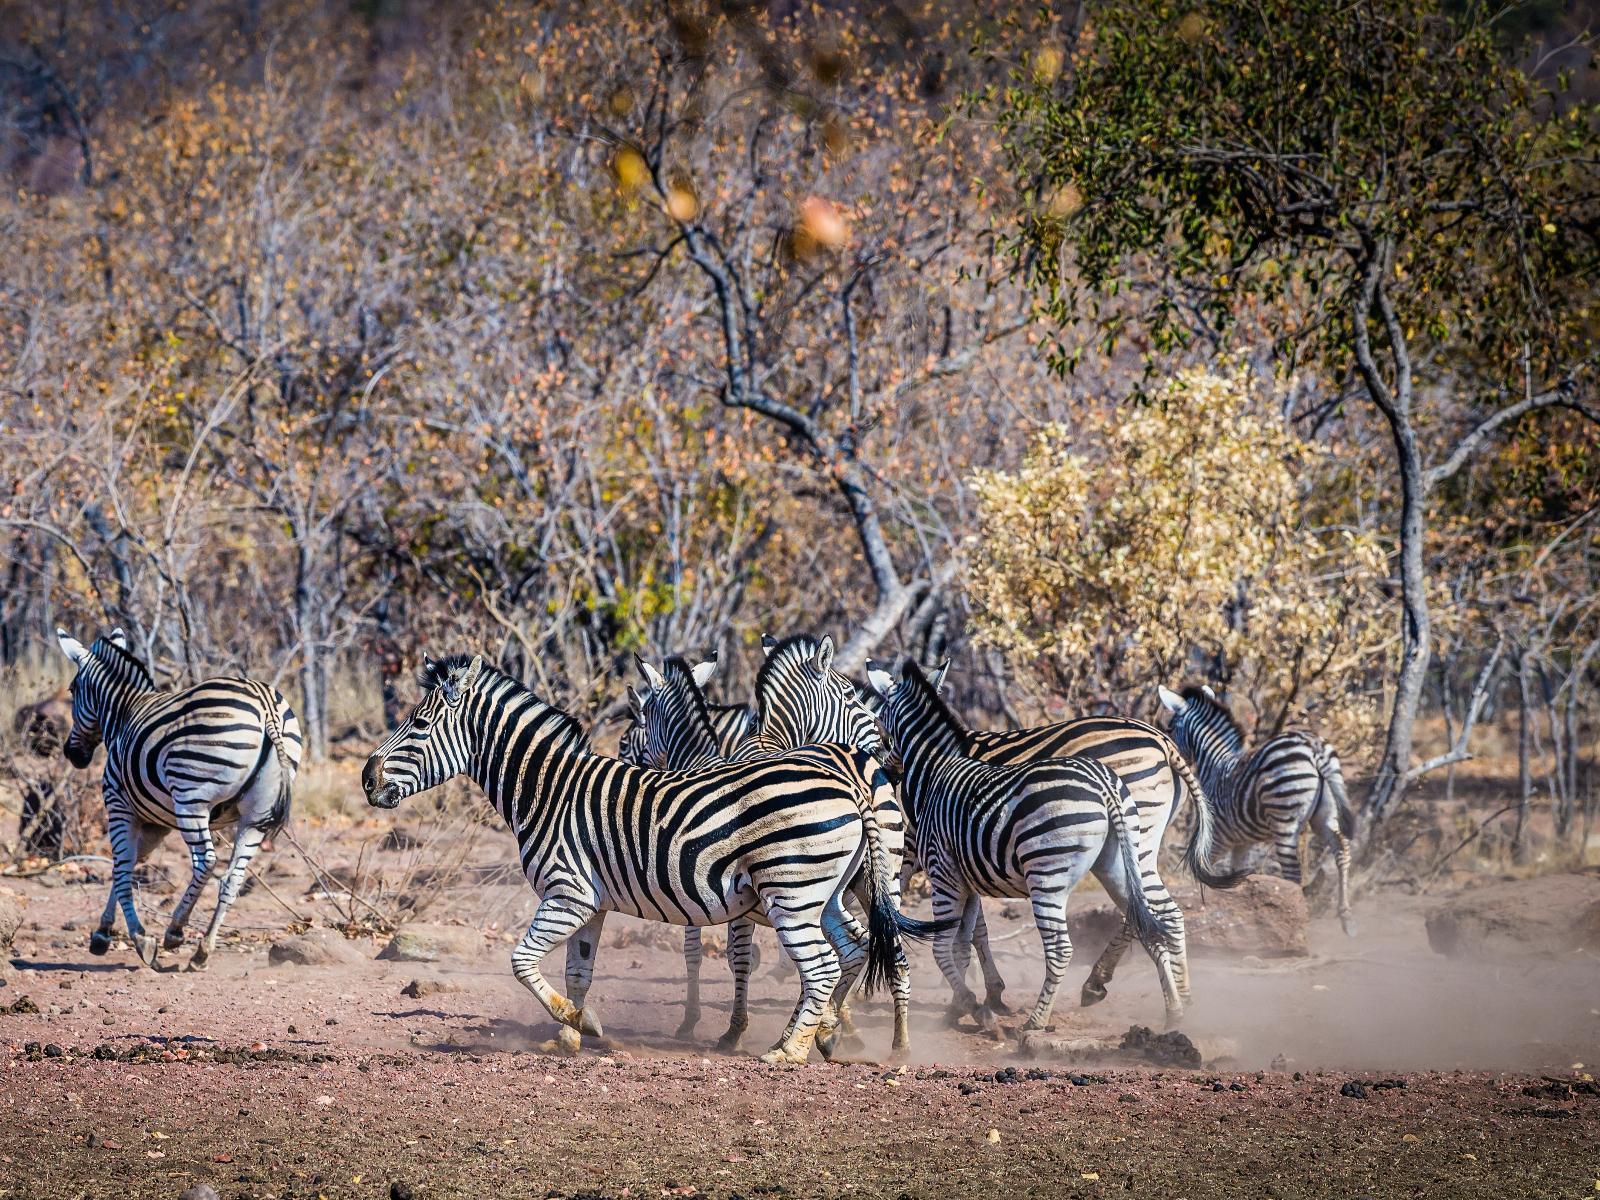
968 1088
200 1191
1127 1098
418 988
314 948
108 1020
432 943
292 1029
1353 1088
331 1021
401 1191
52 1050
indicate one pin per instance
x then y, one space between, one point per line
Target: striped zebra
1270 794
1031 829
782 836
731 724
222 752
1158 778
800 700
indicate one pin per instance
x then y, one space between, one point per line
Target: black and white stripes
1267 795
596 835
222 752
1025 830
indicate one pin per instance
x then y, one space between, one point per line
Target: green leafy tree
1380 185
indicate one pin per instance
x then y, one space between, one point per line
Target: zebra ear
768 645
474 668
635 703
881 680
938 676
651 675
704 671
1206 688
72 647
824 658
1173 702
118 637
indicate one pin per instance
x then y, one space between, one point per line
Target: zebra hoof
779 1055
826 1044
687 1027
145 945
172 939
568 1040
1348 923
99 943
1093 993
201 959
731 1042
589 1023
993 1002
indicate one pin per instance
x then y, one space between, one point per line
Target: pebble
200 1191
108 1020
401 1191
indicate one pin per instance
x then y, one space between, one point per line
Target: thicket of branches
332 332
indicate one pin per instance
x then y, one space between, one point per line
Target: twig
13 873
250 871
326 878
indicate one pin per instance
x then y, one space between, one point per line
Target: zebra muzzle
380 792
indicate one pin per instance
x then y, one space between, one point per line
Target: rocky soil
303 1065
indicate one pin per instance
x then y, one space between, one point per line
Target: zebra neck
1214 760
121 701
510 754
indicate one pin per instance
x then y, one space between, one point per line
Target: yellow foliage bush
1174 540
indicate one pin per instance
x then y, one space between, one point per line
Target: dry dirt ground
1474 1076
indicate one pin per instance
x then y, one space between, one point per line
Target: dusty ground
356 1087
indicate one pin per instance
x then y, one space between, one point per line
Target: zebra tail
886 924
279 815
1197 854
1333 778
1119 808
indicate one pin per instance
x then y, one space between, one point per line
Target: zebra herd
802 813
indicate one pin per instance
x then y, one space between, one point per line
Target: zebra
1158 777
1269 794
731 724
800 700
783 836
1029 829
224 751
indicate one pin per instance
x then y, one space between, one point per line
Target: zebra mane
1217 718
933 701
121 659
569 731
680 675
434 672
793 651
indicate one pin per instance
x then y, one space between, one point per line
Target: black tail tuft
883 940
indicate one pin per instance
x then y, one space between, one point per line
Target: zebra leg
245 844
1286 849
800 933
194 823
1094 987
947 902
1050 915
741 960
849 940
1120 887
581 950
124 832
555 920
1331 835
993 985
692 955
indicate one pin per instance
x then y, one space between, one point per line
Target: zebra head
1202 726
912 712
633 746
803 701
675 730
107 673
434 743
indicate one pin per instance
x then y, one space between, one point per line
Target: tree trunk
1524 762
1414 627
313 720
